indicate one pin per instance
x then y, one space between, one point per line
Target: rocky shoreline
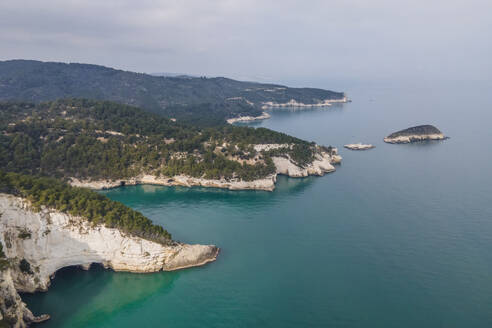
322 164
294 103
359 146
414 138
267 184
263 116
50 240
415 134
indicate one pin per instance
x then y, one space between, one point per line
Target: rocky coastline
295 103
267 183
323 163
243 119
37 244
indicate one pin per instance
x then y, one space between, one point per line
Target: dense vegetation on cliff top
96 208
416 130
100 140
197 100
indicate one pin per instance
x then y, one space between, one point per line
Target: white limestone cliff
322 164
295 103
263 116
50 240
14 312
267 183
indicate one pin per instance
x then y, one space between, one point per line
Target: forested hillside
88 139
204 101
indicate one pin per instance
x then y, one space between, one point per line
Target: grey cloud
275 39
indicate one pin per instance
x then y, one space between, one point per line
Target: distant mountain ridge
193 99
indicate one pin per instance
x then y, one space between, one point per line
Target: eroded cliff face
263 116
37 244
14 312
323 163
267 183
294 103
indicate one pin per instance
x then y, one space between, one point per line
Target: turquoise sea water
398 236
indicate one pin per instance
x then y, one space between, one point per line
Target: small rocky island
414 134
359 146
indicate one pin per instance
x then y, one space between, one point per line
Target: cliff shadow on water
97 293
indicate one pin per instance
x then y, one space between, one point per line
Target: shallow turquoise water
398 236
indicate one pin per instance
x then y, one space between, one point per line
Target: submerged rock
415 133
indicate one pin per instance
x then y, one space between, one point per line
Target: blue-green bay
398 236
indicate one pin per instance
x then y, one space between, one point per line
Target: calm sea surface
398 236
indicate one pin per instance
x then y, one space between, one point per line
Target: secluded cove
397 237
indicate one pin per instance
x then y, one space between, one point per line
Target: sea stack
414 134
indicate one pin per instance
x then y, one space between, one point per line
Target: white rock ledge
267 183
295 103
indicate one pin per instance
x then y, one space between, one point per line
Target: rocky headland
38 243
415 134
295 103
186 98
322 163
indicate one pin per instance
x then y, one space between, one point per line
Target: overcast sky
257 39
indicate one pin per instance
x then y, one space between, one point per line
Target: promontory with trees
94 140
